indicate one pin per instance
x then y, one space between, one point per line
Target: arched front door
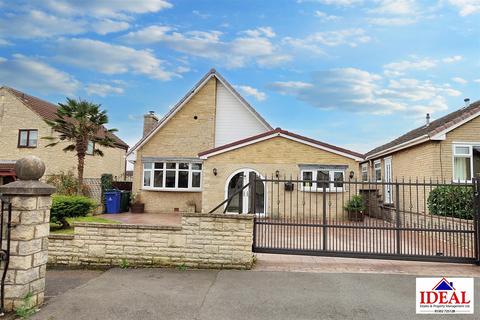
241 202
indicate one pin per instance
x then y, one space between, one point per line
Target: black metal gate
5 229
408 220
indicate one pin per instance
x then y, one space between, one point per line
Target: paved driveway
204 294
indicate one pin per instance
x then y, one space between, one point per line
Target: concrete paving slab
298 263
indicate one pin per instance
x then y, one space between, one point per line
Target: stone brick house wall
201 241
432 160
14 115
184 137
266 157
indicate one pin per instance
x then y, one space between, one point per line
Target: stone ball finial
30 168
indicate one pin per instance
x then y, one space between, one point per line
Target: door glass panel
235 184
259 196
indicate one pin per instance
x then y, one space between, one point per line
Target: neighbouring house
203 150
443 150
22 126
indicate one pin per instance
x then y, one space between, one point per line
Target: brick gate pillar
31 202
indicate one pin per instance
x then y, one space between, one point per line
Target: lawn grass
55 228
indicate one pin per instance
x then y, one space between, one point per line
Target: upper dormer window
27 138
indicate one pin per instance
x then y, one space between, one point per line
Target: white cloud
340 3
29 74
476 80
396 7
290 87
452 59
459 80
260 32
325 16
253 92
356 90
466 7
106 26
398 68
111 59
252 45
415 63
106 8
393 21
103 89
316 42
201 14
38 24
4 43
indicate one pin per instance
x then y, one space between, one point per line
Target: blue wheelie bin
112 201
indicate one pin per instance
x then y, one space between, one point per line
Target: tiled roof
47 111
284 132
433 128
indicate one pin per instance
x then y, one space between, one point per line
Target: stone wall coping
220 215
125 226
27 188
61 236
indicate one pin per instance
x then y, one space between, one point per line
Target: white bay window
172 176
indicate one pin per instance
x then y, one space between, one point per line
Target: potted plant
137 206
355 208
191 206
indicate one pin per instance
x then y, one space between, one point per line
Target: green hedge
452 201
64 207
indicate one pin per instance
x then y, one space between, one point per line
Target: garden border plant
64 207
452 201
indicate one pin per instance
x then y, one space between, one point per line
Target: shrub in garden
66 183
451 201
64 207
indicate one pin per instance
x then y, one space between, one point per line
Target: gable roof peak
211 73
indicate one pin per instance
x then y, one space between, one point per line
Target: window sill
336 190
26 147
172 189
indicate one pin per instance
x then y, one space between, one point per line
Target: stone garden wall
201 241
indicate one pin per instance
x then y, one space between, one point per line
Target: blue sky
355 73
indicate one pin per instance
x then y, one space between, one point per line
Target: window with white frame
365 172
177 176
330 179
90 148
466 162
377 168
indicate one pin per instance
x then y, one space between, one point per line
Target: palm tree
81 122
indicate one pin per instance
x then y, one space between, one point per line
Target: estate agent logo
439 295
